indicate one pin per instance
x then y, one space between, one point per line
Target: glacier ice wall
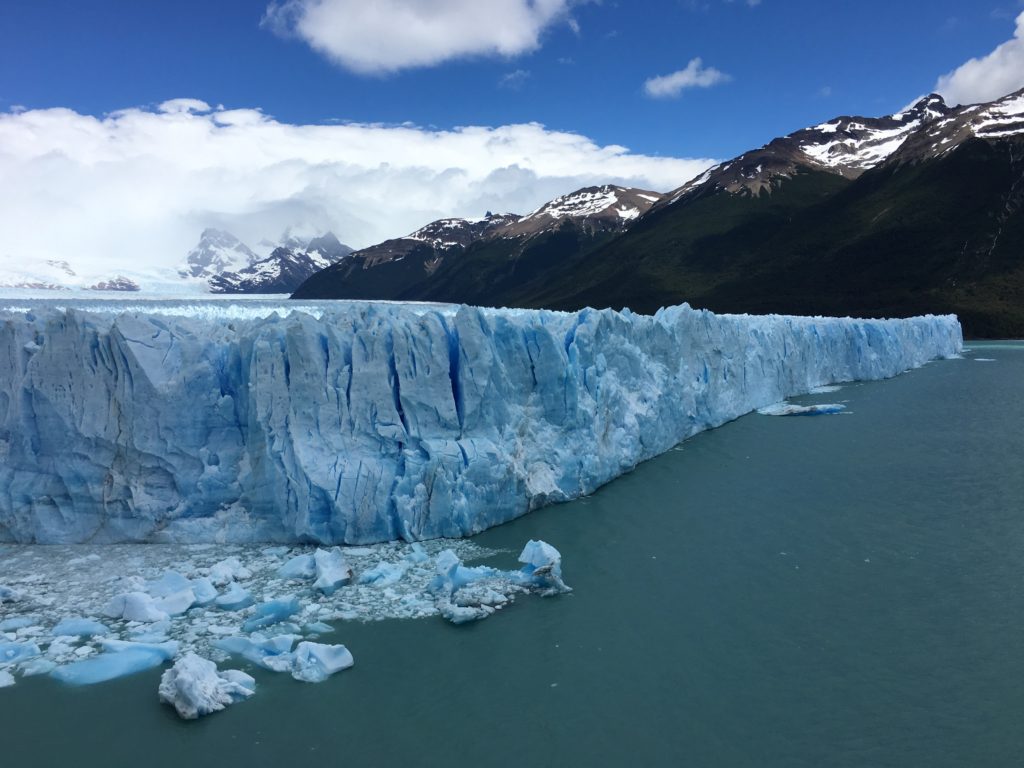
371 422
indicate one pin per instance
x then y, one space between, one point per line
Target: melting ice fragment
8 595
228 569
271 612
80 628
331 570
383 574
299 567
235 599
543 567
788 409
16 622
194 687
134 606
108 666
315 662
12 653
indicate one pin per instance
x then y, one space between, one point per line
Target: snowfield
354 423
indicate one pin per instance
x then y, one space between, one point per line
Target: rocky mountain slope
450 259
919 211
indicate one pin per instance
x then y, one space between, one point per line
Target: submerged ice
363 423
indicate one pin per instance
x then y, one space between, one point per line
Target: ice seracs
363 423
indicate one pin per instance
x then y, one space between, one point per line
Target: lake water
843 590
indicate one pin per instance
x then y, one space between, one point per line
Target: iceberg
331 570
108 666
315 662
235 599
194 687
358 423
134 606
272 612
80 628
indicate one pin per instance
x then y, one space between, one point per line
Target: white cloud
390 35
134 189
696 75
985 79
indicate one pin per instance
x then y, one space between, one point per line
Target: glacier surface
354 423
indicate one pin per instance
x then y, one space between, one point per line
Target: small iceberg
788 409
195 687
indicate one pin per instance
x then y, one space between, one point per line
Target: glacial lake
841 590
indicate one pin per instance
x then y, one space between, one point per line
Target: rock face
116 284
440 261
366 423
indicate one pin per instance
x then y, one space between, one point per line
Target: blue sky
128 127
791 63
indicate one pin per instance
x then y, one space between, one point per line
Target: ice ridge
364 423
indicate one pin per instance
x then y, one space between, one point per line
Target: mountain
217 252
916 212
465 259
920 211
229 266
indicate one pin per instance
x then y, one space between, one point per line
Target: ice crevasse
365 422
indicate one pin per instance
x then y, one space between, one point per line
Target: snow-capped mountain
229 266
849 146
392 269
217 252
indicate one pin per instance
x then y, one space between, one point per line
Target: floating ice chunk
271 612
235 599
331 570
16 622
384 574
318 628
825 389
315 662
271 653
8 595
194 687
543 567
178 603
228 569
134 606
299 567
108 666
166 650
6 678
417 554
204 591
452 575
168 584
12 653
38 666
275 551
151 633
788 409
984 359
80 628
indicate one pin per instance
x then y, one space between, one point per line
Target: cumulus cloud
989 77
390 35
135 188
695 75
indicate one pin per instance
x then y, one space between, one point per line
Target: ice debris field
210 431
356 422
87 614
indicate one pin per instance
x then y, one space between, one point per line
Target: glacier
357 422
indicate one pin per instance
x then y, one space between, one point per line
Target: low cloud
136 187
695 75
390 35
989 77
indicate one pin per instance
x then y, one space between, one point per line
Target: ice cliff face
358 423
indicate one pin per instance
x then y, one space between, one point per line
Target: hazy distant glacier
358 422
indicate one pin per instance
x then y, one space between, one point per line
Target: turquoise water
841 590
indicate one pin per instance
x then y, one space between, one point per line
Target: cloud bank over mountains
988 77
137 186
